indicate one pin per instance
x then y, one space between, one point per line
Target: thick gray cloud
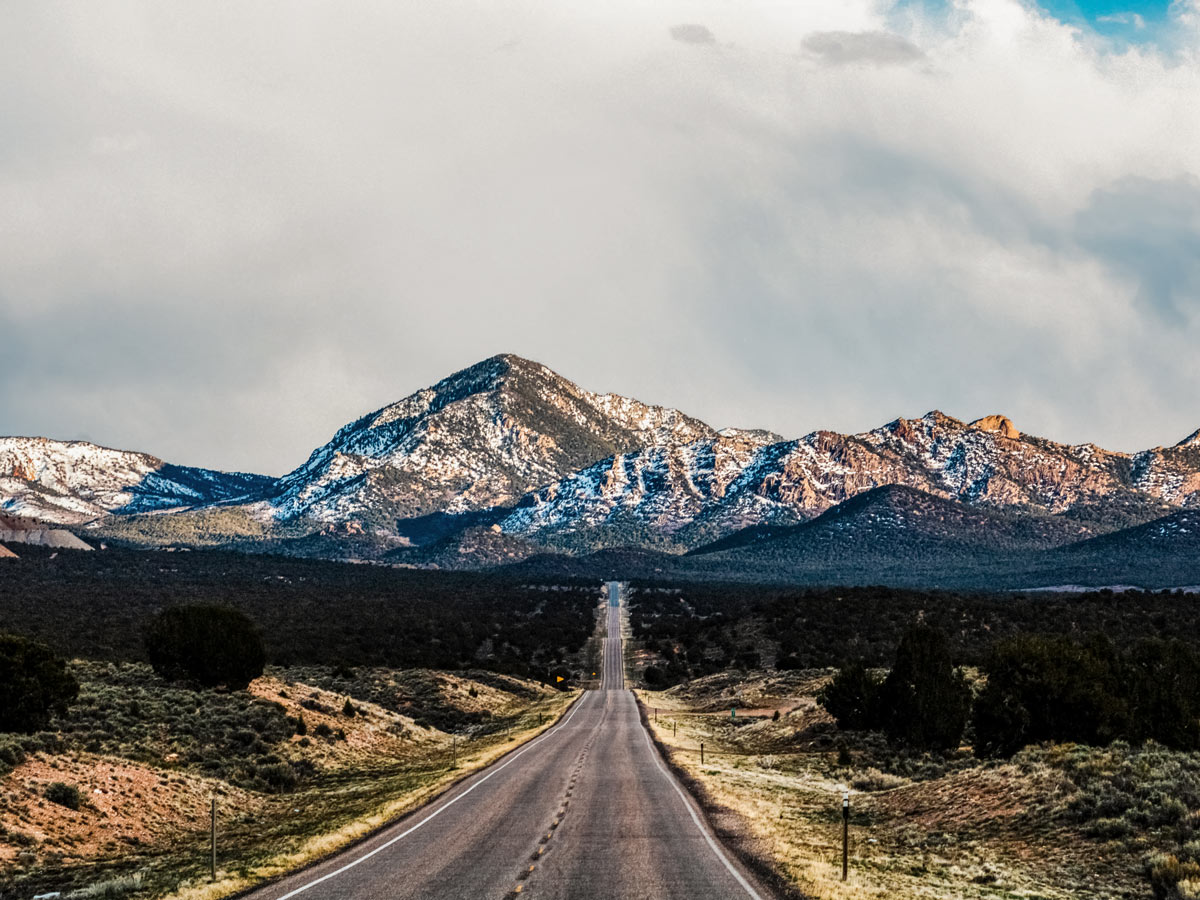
1149 230
229 230
877 48
692 34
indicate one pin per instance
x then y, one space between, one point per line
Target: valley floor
1054 822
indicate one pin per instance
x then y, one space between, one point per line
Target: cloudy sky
226 229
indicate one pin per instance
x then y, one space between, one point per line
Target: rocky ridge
72 482
506 456
481 438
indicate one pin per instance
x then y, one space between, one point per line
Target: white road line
709 839
441 809
716 848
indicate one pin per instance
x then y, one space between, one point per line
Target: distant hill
1161 553
896 520
887 535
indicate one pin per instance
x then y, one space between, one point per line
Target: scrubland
114 799
1055 821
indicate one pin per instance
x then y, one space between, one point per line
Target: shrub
1167 873
323 730
1050 689
874 780
348 709
113 889
64 795
1163 680
34 683
279 777
215 646
852 697
925 701
654 677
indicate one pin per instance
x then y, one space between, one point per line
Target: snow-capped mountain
507 447
682 496
74 482
481 438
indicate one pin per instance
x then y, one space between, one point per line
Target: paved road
587 810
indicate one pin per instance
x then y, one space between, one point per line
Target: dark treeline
1089 692
1088 668
1037 689
97 606
697 629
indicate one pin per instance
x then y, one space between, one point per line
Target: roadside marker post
702 753
213 858
845 834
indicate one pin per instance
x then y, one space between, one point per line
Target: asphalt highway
586 810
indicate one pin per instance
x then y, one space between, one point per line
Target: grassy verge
1054 823
305 763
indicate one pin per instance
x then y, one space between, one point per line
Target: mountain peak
1192 440
482 437
997 424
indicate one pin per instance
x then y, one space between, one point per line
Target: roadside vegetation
300 695
993 747
697 629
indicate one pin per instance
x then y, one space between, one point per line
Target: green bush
1050 689
925 701
215 646
852 697
64 795
34 683
654 677
1056 689
1163 680
279 777
1168 874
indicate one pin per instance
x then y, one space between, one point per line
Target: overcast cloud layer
230 228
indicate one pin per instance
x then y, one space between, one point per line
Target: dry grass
323 844
141 830
921 828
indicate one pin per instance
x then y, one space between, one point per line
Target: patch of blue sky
1122 22
1111 16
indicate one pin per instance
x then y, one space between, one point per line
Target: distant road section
587 810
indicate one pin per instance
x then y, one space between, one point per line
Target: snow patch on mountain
72 482
481 438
